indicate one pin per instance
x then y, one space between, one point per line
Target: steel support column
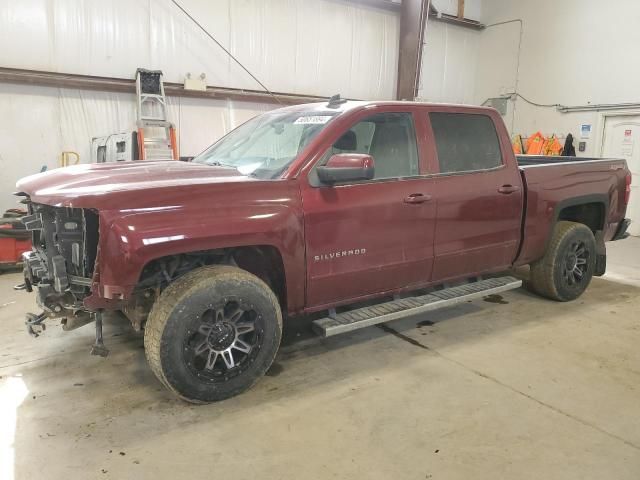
413 14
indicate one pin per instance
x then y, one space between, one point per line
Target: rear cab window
465 142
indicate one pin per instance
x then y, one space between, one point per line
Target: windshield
266 145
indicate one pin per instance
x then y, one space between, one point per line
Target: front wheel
567 267
213 333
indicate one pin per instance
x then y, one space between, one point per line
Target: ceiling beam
127 85
412 19
383 4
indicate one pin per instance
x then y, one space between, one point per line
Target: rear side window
465 142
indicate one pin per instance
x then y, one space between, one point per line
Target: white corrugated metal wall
450 54
297 46
318 47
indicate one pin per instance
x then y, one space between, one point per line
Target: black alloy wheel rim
223 340
575 264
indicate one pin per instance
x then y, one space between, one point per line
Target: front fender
130 239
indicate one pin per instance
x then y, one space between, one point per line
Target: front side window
266 145
389 138
465 142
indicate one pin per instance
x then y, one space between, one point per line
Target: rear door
365 238
621 140
479 195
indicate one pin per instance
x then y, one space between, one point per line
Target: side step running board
405 307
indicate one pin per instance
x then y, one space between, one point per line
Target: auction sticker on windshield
313 119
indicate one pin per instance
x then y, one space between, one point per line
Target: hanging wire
227 52
517 79
535 104
531 102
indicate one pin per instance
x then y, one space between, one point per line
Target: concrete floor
525 388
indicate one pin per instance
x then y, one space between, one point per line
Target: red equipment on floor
14 239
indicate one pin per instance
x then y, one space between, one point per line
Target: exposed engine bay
61 264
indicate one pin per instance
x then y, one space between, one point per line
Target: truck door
479 196
372 236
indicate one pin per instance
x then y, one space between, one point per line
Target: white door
622 140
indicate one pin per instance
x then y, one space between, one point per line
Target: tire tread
162 308
541 277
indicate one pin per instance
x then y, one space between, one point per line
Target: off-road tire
548 276
170 325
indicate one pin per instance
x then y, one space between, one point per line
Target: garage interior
509 386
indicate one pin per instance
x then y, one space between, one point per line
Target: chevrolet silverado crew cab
356 212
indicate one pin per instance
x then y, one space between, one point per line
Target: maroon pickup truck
366 211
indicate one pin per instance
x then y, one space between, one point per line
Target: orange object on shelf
535 144
552 146
518 146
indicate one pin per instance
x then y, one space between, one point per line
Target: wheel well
264 261
590 214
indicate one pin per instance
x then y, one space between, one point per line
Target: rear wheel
213 333
567 267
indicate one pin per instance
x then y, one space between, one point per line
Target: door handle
508 189
417 198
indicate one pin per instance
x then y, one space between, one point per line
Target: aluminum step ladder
350 320
156 134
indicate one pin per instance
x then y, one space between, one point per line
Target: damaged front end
61 265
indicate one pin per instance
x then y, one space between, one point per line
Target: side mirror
346 167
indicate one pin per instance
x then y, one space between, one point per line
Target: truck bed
555 183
